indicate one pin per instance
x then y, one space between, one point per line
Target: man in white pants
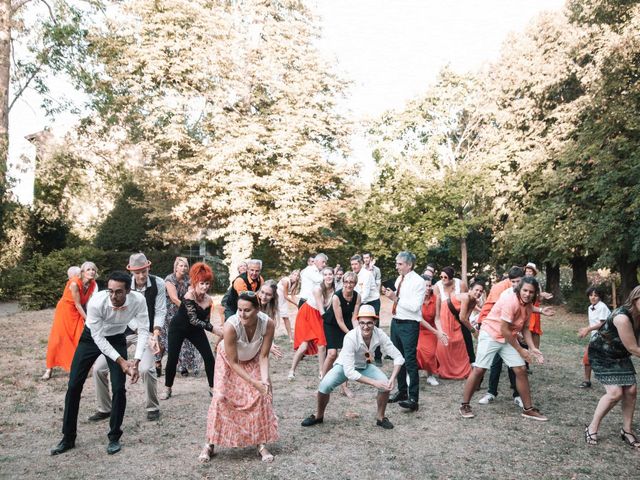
153 288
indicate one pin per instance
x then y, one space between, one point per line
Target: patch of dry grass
434 442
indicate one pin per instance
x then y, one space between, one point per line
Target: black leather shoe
153 415
398 397
114 447
384 423
63 446
98 416
311 420
410 404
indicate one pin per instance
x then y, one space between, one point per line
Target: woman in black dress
610 350
191 322
337 321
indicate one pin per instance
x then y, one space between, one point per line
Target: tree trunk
579 280
628 277
5 65
463 259
553 281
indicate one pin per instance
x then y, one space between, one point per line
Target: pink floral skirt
239 416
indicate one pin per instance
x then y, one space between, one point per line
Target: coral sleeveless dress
427 341
453 360
67 326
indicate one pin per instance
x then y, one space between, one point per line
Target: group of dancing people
432 329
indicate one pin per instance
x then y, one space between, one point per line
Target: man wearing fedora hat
153 289
355 363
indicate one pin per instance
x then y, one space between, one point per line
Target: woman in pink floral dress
241 412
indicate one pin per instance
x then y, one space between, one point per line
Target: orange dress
453 360
427 341
309 328
67 326
535 326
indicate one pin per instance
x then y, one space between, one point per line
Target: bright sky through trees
390 49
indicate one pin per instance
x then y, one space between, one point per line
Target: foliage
127 225
232 111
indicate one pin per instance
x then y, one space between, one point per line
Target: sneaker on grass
518 401
431 380
533 414
487 399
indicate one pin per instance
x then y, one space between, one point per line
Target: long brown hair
327 292
630 304
271 308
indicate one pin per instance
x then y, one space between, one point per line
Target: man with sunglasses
355 363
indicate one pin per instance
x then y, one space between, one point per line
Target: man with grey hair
311 277
407 297
248 281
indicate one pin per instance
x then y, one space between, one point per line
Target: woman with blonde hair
68 320
177 285
610 350
288 288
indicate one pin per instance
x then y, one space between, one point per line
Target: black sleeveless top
347 310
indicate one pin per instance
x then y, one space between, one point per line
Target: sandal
206 454
590 438
167 394
291 377
48 373
634 443
264 453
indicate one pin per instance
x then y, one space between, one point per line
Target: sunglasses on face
249 293
444 277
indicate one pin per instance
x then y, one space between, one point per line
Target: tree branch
17 4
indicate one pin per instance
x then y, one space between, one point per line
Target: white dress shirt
310 278
411 296
104 321
161 300
597 313
377 276
366 285
352 356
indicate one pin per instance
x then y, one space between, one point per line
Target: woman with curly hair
191 322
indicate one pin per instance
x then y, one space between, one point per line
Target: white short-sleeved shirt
597 313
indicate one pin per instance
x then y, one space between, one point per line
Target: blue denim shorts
336 377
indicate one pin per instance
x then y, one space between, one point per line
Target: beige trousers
147 369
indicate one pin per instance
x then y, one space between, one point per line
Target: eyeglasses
367 356
248 293
366 324
349 282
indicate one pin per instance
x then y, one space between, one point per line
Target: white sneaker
487 399
518 401
431 380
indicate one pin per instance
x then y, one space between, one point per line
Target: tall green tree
234 113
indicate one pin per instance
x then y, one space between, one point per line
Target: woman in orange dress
68 320
429 336
308 337
535 325
453 359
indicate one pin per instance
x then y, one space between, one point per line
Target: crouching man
355 363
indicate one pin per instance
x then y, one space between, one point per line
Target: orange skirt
426 351
535 326
309 329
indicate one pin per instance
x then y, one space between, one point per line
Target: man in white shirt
366 285
311 277
369 264
405 327
153 289
355 363
109 312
